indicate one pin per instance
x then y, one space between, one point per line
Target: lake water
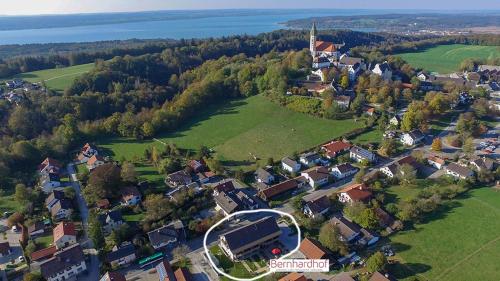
208 24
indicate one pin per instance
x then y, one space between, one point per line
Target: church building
323 48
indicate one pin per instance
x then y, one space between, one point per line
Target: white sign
299 265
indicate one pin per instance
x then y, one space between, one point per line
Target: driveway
85 242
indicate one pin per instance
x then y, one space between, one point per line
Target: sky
33 7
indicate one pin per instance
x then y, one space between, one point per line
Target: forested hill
44 56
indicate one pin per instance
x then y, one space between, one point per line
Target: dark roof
166 234
228 202
4 248
362 152
115 215
165 271
484 163
180 177
416 134
63 204
227 185
66 258
318 173
54 195
113 276
346 227
318 205
346 167
38 225
239 237
121 252
461 170
310 156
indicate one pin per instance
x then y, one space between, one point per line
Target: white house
359 154
290 165
64 235
457 171
123 255
395 121
383 70
344 170
412 138
354 71
263 176
66 264
95 161
49 181
317 207
310 159
316 176
436 162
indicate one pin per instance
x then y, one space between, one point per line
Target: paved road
93 266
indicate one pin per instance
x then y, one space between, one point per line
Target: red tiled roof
64 228
279 188
94 159
312 249
224 186
323 46
359 194
335 147
183 274
43 253
294 276
437 160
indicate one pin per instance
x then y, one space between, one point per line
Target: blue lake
208 24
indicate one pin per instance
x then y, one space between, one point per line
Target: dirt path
64 75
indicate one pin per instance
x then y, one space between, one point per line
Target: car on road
20 259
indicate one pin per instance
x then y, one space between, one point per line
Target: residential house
183 274
313 250
377 276
49 181
342 101
355 193
64 265
238 244
344 170
457 171
316 176
226 185
43 254
368 238
436 162
168 235
334 148
290 165
359 154
263 176
36 229
294 276
386 220
270 192
394 169
86 153
343 276
179 178
233 201
383 70
53 198
165 271
130 196
49 165
310 159
110 221
353 71
205 177
320 62
95 161
349 231
113 276
317 207
123 255
196 166
483 164
368 110
5 249
412 138
395 121
62 209
64 234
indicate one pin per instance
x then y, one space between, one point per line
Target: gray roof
240 237
38 225
310 156
362 152
416 134
461 170
54 195
170 233
121 252
318 205
114 216
262 174
289 162
346 227
228 202
64 259
63 204
350 60
345 167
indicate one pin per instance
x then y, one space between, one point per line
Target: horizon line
250 9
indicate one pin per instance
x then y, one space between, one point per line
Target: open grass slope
57 79
447 58
461 242
241 129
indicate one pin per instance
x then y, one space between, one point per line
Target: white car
20 259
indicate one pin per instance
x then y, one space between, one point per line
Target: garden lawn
372 136
9 204
447 58
241 129
461 242
44 241
57 79
235 269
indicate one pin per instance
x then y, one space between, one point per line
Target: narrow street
85 242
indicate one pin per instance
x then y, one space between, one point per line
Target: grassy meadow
447 58
57 79
241 129
460 242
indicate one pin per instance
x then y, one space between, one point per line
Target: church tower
312 41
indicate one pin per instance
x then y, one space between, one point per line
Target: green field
241 129
57 79
447 58
459 242
373 136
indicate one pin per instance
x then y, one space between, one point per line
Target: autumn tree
128 172
376 262
329 237
436 144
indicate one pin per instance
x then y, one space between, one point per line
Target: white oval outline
207 252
